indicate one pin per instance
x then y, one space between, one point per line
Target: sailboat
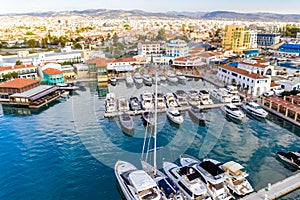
166 186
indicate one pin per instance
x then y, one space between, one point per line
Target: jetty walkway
276 190
184 108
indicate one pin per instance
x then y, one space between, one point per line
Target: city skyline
275 6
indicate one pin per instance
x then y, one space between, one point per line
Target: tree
161 34
127 27
14 74
115 38
32 43
183 27
19 62
6 76
62 41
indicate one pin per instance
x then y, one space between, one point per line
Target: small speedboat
293 158
147 101
232 111
174 115
204 97
196 115
193 98
127 123
113 81
65 94
181 77
172 78
129 79
123 104
148 117
182 97
134 103
138 79
171 100
162 77
110 103
254 109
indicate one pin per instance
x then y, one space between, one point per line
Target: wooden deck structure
276 190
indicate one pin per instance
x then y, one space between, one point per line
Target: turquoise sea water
68 149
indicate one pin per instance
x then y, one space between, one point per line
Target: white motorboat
134 103
148 117
65 94
110 103
196 115
147 80
221 95
162 77
181 77
161 103
135 184
171 77
188 180
232 111
292 158
170 100
204 97
236 178
174 115
193 98
214 177
129 79
113 81
123 104
181 97
147 101
254 109
234 94
127 123
138 79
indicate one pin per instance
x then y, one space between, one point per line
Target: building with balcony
148 48
255 84
261 67
236 38
267 39
24 71
177 48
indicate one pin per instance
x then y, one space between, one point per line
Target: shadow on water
284 124
286 165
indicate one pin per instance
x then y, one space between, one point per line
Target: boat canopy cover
168 186
141 180
211 168
234 167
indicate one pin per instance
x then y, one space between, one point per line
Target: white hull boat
174 115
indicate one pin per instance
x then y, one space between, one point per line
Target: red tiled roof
254 64
18 83
124 60
52 71
274 84
5 68
244 72
285 104
99 62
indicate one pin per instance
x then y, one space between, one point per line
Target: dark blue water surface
67 150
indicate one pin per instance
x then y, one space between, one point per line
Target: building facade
261 67
177 48
148 48
53 76
267 39
236 38
290 48
24 71
100 66
255 84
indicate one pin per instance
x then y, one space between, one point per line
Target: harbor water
67 149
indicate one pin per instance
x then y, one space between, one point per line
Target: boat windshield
176 114
234 109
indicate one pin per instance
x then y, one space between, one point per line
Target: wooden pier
183 108
276 190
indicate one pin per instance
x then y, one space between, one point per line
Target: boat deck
184 108
276 190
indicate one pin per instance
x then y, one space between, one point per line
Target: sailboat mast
155 124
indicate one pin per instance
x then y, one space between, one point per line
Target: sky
274 6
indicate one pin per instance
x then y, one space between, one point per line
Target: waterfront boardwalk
184 108
276 190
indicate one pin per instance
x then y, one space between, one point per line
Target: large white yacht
204 97
232 111
171 77
174 115
138 79
254 109
129 79
193 98
182 98
123 104
234 94
221 95
213 176
161 103
236 178
171 100
135 184
188 180
147 100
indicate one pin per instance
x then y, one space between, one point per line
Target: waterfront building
290 84
236 38
290 48
253 39
255 84
267 39
24 71
99 66
53 76
187 62
177 48
261 67
117 66
148 48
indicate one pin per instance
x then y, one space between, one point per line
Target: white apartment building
255 83
253 39
185 62
24 71
148 48
177 48
290 84
261 67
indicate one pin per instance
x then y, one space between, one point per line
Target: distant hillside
225 15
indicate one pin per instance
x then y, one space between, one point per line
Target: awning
44 93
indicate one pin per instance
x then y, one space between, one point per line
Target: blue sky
277 6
